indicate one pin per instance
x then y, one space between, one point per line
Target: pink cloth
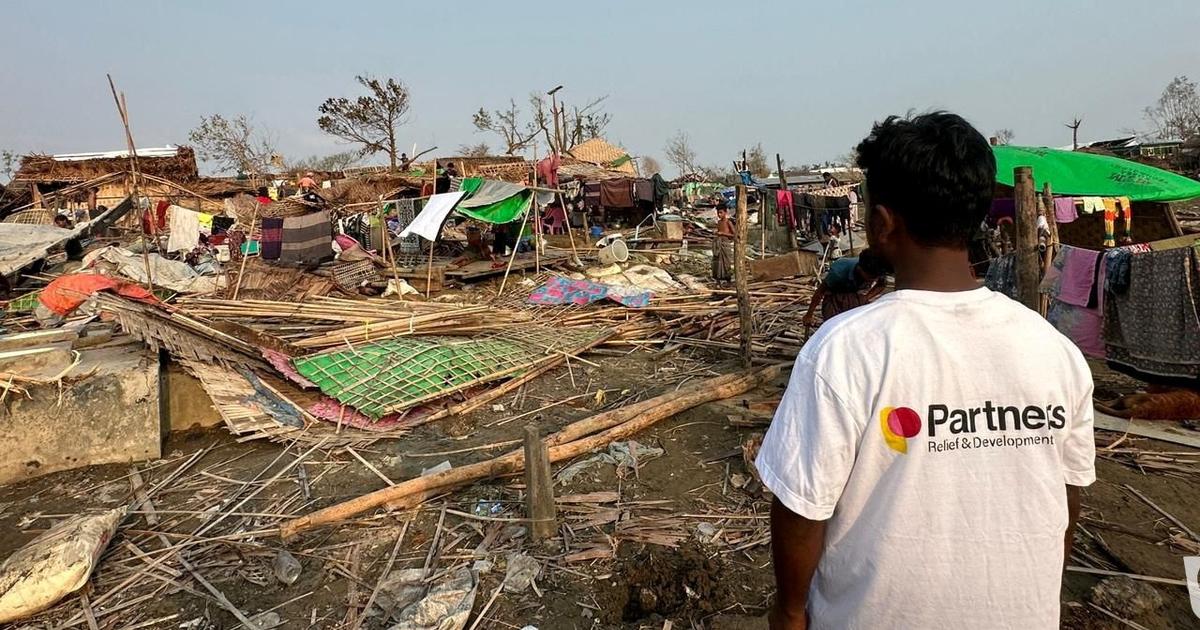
1078 275
784 210
547 169
1064 209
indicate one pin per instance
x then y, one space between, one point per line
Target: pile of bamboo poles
578 438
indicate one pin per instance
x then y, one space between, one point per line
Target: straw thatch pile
180 167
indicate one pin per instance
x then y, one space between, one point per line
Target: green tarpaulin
503 211
1076 173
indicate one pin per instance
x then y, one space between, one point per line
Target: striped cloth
307 239
272 238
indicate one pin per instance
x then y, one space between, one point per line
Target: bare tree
587 122
332 162
474 150
1003 136
507 123
233 144
370 120
680 154
8 163
756 161
649 165
1176 114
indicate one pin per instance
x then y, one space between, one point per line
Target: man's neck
936 269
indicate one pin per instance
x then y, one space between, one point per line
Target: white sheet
432 215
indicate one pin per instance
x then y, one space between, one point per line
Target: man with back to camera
927 456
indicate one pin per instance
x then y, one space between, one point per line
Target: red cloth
784 212
156 222
65 293
266 201
547 169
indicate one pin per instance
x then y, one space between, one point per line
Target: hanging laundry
1064 209
547 170
591 194
1124 204
153 224
661 190
643 190
1091 204
1069 283
185 229
307 240
785 214
272 238
206 224
1154 327
616 193
273 193
1078 275
1002 275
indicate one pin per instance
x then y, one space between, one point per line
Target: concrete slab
106 412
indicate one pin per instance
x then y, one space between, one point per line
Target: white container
614 252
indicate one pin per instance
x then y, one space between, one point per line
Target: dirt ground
679 537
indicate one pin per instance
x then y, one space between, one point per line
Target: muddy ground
684 537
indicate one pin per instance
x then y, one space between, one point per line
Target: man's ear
883 225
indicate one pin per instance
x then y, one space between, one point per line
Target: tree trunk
392 152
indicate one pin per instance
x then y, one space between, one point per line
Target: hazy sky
804 78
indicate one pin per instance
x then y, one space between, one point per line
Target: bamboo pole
602 429
133 166
513 257
254 217
741 277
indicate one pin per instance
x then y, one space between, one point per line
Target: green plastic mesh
389 376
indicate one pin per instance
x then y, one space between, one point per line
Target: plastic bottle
286 567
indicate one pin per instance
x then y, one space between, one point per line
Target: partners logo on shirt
959 429
899 424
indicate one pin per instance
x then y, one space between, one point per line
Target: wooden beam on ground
1027 263
539 486
741 276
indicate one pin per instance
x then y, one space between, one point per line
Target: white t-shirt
936 432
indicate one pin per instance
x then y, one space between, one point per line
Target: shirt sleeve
810 447
1078 451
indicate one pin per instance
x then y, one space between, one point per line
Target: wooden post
762 226
742 275
1027 263
1047 205
1051 217
539 486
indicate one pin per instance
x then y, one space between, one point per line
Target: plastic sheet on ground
55 564
172 274
403 598
624 454
521 572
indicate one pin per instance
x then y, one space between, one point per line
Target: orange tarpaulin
65 293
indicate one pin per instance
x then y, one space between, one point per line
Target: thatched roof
174 163
597 151
469 166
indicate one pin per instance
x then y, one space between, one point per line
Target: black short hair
872 264
934 170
